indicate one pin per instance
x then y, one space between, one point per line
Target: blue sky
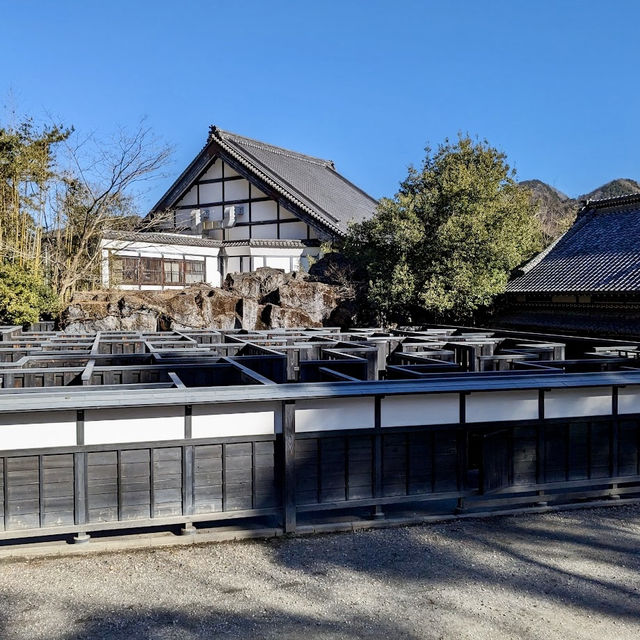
365 83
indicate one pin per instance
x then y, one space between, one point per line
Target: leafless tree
98 191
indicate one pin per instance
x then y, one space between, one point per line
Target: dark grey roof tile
600 252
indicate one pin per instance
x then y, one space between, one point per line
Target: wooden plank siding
89 487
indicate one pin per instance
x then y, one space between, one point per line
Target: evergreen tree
447 242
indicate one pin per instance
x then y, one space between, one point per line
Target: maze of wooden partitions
123 429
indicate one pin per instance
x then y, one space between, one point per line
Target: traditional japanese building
241 204
586 281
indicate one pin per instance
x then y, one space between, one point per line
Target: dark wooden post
80 482
377 511
540 448
462 438
613 453
187 475
289 465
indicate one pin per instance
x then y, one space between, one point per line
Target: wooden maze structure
122 430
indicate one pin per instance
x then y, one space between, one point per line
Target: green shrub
24 296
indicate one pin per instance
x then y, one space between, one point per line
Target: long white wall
37 430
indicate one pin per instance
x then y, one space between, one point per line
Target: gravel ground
567 575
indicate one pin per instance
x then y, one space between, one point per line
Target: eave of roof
161 238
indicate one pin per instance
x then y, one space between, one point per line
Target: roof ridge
258 144
286 188
604 203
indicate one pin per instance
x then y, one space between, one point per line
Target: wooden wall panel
207 477
628 446
167 481
102 486
360 467
57 485
22 492
524 441
135 484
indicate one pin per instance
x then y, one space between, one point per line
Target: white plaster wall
189 198
236 189
420 409
211 192
293 231
135 424
238 233
262 211
629 399
278 263
233 264
265 231
104 268
285 214
329 415
212 274
502 405
218 421
257 193
155 250
214 171
567 403
37 430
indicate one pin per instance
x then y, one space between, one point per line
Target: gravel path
568 575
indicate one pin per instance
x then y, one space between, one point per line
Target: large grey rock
277 317
267 298
256 284
316 298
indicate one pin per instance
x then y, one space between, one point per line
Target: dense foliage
445 245
24 298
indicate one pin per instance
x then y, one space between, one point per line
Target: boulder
256 284
276 317
316 298
266 298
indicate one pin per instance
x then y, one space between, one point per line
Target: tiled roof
600 252
311 184
275 244
161 238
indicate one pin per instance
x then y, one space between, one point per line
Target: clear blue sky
366 83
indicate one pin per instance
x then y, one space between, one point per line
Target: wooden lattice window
150 271
194 271
173 272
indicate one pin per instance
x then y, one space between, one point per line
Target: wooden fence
194 458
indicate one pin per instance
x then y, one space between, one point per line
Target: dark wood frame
250 223
139 281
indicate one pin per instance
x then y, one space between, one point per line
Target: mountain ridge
557 211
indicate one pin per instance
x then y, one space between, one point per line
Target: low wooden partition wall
86 460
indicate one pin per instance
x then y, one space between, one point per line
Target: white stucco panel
629 399
329 415
567 403
37 430
420 409
218 421
502 405
135 424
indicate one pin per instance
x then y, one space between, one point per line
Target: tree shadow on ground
170 624
570 560
414 582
